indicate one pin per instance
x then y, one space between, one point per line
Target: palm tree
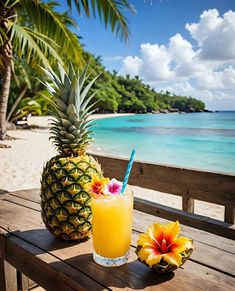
33 30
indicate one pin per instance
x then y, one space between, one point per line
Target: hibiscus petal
97 184
181 244
173 258
114 186
149 255
144 253
171 231
153 259
144 240
155 232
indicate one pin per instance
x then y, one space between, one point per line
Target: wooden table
55 265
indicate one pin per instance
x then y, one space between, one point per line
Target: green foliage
126 94
40 35
116 94
27 96
110 13
47 44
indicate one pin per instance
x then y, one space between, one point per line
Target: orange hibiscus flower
161 242
97 185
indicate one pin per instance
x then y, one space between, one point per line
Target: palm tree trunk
5 90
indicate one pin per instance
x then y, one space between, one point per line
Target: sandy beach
21 166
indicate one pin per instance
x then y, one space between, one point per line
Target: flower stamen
164 247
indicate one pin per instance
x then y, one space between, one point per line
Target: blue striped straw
128 170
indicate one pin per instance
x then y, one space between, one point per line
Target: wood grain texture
8 277
25 282
194 220
53 263
133 276
188 204
141 221
200 185
229 215
49 272
209 249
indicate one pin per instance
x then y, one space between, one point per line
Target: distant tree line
127 94
116 93
36 34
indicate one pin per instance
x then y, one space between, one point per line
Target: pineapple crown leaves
71 126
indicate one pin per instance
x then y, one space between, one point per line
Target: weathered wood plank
201 185
21 201
188 204
135 275
33 232
131 276
194 220
203 278
32 195
32 218
77 255
8 277
229 215
49 272
25 283
204 254
141 221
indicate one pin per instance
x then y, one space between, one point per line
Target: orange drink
112 228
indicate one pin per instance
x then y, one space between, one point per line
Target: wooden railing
189 184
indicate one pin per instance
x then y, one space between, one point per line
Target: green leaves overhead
38 33
55 26
31 44
110 13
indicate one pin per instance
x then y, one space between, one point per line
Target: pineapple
65 203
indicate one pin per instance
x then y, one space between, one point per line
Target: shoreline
42 121
22 165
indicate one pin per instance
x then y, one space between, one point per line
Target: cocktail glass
112 228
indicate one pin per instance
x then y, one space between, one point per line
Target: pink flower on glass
113 187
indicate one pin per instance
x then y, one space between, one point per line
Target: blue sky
159 28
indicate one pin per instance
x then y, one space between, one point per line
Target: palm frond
110 13
47 45
11 3
55 26
24 44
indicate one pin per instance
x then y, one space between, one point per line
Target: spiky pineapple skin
65 204
164 267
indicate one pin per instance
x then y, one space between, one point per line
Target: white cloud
217 80
131 66
185 62
215 35
205 70
155 55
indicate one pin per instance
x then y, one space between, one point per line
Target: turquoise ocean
195 140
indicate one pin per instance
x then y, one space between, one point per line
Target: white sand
21 166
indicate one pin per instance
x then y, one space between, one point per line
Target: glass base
110 262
